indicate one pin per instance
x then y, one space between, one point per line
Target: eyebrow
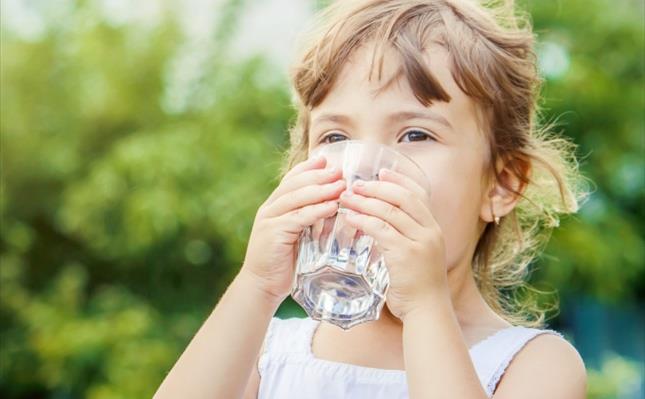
393 118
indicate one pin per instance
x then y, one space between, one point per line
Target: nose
374 139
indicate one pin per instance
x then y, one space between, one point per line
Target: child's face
454 159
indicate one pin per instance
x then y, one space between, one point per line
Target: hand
394 210
306 194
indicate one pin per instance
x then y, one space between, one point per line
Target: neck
469 305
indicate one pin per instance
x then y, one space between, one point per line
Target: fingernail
359 183
332 171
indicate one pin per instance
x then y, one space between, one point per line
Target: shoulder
548 366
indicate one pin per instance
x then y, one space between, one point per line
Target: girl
454 86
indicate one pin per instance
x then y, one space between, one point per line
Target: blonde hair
493 61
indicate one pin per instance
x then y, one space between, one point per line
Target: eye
324 139
414 135
417 135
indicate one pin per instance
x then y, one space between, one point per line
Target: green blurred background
139 138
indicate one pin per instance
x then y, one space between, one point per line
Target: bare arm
220 358
437 362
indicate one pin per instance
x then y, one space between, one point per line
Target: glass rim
363 142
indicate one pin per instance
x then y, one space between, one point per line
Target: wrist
430 303
252 285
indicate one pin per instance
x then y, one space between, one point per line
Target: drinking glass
340 276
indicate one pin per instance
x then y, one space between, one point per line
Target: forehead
357 86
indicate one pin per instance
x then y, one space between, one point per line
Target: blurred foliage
593 60
617 379
134 158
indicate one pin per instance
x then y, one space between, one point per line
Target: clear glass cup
340 276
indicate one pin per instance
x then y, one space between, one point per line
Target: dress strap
494 354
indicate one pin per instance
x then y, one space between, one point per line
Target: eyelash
324 139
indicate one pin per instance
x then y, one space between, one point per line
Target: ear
503 193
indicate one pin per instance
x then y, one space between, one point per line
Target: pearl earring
496 218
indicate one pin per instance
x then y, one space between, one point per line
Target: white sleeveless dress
289 370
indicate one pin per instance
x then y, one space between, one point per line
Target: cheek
455 201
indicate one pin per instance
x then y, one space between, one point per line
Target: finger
405 181
384 234
399 196
308 195
299 180
301 218
385 211
411 184
310 163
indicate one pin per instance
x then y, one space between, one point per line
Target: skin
434 310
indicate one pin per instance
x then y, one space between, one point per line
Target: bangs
403 34
412 66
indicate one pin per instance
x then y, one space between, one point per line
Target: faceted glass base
342 299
